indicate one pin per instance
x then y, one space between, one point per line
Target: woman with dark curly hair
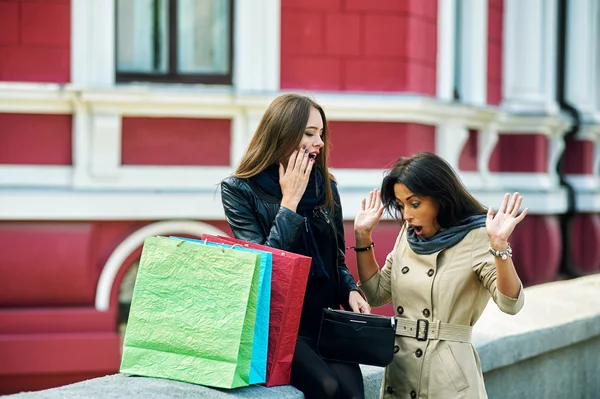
451 256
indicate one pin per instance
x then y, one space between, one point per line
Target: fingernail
303 146
312 160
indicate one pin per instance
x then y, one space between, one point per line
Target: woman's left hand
500 225
358 303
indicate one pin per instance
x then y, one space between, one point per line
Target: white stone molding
93 43
446 48
583 56
135 241
111 204
103 189
529 54
257 46
450 139
587 187
105 147
28 176
473 17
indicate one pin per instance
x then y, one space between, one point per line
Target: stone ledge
556 315
120 386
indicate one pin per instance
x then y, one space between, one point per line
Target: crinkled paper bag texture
192 314
258 364
288 286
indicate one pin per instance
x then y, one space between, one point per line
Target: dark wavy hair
429 175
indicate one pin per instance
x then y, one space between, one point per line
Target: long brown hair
279 133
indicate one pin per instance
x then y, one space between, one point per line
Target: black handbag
356 337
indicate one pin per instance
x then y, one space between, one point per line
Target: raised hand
294 179
500 225
370 212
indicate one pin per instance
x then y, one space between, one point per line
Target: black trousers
321 379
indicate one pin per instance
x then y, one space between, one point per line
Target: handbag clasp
422 329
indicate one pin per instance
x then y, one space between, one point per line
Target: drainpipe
567 266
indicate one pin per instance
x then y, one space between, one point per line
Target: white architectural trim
136 240
446 28
165 178
450 139
93 43
257 46
29 204
28 176
473 51
105 148
103 189
529 34
583 81
35 98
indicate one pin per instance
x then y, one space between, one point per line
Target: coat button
400 309
413 394
390 389
396 348
418 353
426 312
430 272
405 270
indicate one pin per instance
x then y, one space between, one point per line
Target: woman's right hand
294 179
369 214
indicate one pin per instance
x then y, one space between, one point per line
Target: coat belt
423 329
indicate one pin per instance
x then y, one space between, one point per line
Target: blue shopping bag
258 365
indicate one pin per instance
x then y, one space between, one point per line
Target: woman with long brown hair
282 195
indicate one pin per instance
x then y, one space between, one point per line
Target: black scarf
268 181
445 238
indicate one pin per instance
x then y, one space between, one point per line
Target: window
176 41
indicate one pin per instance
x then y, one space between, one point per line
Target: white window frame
256 44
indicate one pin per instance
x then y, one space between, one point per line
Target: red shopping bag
288 285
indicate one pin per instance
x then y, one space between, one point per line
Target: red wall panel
56 320
35 139
35 41
46 264
376 144
494 55
537 249
468 156
520 153
341 36
176 141
383 45
45 23
329 5
9 23
579 157
585 238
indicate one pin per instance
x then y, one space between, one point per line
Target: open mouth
418 230
313 155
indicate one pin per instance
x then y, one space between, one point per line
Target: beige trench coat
452 286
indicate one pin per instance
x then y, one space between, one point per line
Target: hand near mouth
294 179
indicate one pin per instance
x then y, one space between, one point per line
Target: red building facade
96 155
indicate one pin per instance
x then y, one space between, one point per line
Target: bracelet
502 254
362 249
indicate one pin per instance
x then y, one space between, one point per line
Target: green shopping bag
192 314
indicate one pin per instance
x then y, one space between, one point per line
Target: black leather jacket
256 216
